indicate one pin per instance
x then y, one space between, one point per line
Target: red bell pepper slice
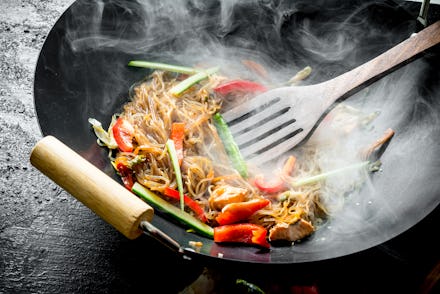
239 85
278 184
235 212
172 193
123 133
271 187
126 175
177 135
242 233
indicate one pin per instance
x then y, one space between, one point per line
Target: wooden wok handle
99 192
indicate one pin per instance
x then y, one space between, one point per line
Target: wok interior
82 73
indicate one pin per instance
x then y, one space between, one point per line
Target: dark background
50 243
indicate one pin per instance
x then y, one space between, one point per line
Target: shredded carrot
387 135
255 67
147 149
177 135
289 165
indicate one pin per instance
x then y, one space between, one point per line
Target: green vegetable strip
314 179
185 84
231 147
250 288
175 162
169 208
164 66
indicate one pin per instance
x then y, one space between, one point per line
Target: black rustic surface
50 243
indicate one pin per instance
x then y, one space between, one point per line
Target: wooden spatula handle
388 60
106 197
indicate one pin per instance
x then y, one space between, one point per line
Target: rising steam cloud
285 36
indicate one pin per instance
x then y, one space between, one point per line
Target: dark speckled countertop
50 243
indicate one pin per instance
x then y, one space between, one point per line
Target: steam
285 36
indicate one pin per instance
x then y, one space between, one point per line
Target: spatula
274 122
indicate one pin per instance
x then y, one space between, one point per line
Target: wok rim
46 129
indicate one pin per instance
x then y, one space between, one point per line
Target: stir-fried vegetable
178 135
256 67
278 184
213 180
106 137
169 208
239 211
122 166
230 145
324 175
239 86
175 162
164 66
188 201
123 133
242 233
250 287
301 75
188 82
387 135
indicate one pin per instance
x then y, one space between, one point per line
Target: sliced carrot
289 165
178 135
256 67
387 135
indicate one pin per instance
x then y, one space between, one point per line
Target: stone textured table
50 243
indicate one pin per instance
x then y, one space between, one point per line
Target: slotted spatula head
274 122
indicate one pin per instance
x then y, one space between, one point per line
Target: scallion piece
185 84
164 66
231 147
175 162
322 176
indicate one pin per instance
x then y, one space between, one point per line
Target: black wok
81 73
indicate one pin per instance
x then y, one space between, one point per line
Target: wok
81 73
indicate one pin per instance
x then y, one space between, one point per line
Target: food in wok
171 146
